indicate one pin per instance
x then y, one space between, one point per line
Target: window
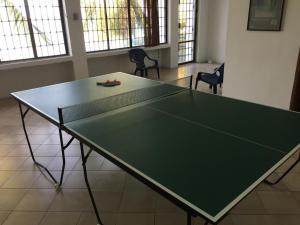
31 29
187 18
115 24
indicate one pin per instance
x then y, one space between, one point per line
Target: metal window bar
118 24
31 29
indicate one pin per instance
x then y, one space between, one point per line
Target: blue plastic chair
213 79
137 56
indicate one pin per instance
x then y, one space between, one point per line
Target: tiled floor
27 197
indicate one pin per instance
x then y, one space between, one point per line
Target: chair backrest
221 72
137 56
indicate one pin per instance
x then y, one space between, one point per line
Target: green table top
205 150
48 99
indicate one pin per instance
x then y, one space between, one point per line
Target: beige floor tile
3 216
133 184
5 175
4 150
56 164
100 180
44 181
10 121
93 163
227 220
108 201
47 150
10 130
46 129
292 181
252 204
255 220
36 200
71 200
75 180
66 218
11 163
288 219
22 179
10 198
24 218
170 219
15 129
281 186
21 150
30 165
35 139
279 202
296 169
53 139
107 165
135 219
12 139
138 201
87 218
165 206
107 180
296 195
72 150
285 166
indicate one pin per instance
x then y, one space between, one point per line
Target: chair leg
142 73
210 86
215 89
220 84
135 71
196 84
157 69
146 73
197 79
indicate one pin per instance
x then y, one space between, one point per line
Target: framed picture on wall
265 15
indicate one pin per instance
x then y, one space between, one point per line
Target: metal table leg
62 146
84 160
23 115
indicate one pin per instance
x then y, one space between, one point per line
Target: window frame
32 39
130 33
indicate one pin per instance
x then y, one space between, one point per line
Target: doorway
187 11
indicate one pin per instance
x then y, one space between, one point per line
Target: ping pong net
107 104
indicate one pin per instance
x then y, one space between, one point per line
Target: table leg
63 148
84 160
23 115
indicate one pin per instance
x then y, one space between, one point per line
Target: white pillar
76 38
170 55
202 37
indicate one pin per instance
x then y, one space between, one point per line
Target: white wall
217 30
170 55
29 77
202 23
260 66
212 30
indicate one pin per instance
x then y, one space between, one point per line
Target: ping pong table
203 152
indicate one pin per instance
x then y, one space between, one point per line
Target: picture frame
265 15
